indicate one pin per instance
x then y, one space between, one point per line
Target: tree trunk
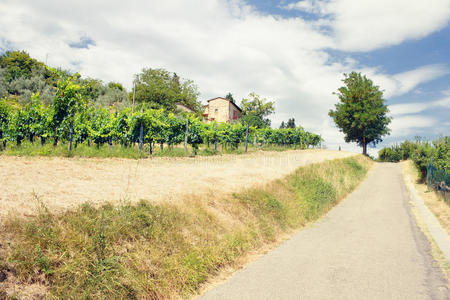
31 138
42 141
215 145
150 150
161 146
4 144
55 142
109 142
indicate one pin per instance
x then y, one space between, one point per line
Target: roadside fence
439 180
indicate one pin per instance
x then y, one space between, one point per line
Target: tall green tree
229 96
290 123
255 110
161 89
361 113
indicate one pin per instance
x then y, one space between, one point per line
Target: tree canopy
289 124
18 64
361 113
21 76
229 96
255 110
161 89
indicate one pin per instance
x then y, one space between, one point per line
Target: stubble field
65 183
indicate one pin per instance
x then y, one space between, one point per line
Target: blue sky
291 52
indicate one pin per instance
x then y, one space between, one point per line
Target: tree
229 96
162 89
18 64
282 125
290 123
361 114
255 110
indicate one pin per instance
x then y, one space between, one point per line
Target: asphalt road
368 247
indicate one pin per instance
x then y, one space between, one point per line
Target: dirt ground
64 183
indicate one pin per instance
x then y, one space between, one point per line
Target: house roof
183 107
235 105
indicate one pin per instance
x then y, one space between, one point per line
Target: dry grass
66 183
432 200
164 250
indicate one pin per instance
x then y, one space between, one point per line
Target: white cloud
417 107
406 81
407 108
309 6
370 24
224 46
406 125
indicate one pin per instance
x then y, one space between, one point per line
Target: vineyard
73 120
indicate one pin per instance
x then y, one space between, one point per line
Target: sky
292 52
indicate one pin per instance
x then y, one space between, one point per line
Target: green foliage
18 64
162 89
255 111
421 152
5 111
67 103
289 124
229 96
361 114
22 76
72 116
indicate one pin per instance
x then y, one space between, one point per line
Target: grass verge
162 251
105 151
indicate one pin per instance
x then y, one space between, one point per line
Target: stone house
221 110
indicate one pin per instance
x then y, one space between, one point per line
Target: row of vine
71 119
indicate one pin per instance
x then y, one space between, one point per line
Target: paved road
368 247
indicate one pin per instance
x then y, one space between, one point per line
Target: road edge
434 228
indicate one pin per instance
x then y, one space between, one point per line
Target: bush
422 154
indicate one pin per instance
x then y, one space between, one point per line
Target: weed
155 251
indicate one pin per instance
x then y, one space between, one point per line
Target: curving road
368 247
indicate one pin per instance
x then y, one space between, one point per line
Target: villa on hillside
221 110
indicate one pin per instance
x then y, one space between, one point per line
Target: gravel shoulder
64 183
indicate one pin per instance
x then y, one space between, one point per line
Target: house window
234 115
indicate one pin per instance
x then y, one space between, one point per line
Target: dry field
64 183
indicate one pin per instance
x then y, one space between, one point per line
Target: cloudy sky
292 52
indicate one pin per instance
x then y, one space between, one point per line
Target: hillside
62 183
